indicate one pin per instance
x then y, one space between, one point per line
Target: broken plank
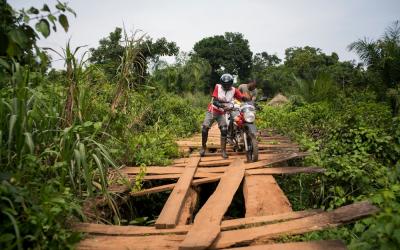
102 229
310 245
171 186
320 221
170 213
189 205
263 196
207 222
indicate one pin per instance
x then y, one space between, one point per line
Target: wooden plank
321 221
225 239
262 171
171 186
284 170
173 176
264 163
120 189
212 145
206 225
259 220
310 245
189 205
261 156
263 196
178 170
102 229
106 242
170 213
217 153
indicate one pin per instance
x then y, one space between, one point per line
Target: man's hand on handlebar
228 106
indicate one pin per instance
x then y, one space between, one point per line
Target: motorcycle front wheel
252 144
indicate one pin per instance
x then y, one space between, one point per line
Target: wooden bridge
268 215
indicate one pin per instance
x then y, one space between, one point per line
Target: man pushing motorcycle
222 96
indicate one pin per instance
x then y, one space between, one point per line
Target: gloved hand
228 106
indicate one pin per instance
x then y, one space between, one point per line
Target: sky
268 25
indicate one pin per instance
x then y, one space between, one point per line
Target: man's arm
241 96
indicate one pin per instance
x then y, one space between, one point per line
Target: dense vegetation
63 131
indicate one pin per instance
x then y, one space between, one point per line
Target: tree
382 57
229 53
263 60
108 54
18 37
307 62
188 74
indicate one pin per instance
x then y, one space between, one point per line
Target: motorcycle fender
251 128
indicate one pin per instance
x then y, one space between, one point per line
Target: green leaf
45 8
33 10
60 6
18 37
43 27
52 20
71 10
29 141
26 18
4 63
64 22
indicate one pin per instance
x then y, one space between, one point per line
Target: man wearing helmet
223 95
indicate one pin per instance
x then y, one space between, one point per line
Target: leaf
43 27
29 141
33 10
97 125
60 6
71 10
64 22
26 18
52 20
4 63
45 8
18 37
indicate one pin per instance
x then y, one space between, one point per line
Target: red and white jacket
223 96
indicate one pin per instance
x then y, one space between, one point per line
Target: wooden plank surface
262 171
285 170
189 205
263 196
310 245
169 215
102 229
226 239
320 221
171 186
207 222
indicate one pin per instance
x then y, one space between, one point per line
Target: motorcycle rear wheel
252 152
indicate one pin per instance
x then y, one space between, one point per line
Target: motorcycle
241 129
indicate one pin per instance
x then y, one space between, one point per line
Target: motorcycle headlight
249 116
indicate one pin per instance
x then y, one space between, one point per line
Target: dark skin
252 85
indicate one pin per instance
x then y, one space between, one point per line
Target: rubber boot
204 136
223 148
